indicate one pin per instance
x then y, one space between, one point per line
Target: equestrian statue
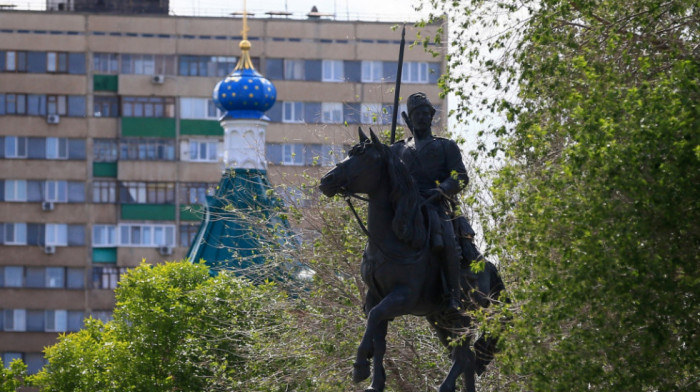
418 255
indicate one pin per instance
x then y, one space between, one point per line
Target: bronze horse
402 274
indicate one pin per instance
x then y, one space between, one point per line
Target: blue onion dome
244 93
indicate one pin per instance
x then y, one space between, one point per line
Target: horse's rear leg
462 363
391 306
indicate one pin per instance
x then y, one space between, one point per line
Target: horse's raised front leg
391 306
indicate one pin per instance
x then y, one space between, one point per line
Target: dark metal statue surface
407 267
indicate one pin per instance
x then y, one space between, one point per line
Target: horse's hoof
370 389
360 372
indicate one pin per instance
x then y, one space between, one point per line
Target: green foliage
174 328
12 377
593 209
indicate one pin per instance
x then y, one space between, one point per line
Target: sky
391 10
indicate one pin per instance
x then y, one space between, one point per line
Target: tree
175 328
12 377
594 206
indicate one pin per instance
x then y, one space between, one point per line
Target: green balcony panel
105 82
104 255
201 127
148 127
160 212
191 212
104 169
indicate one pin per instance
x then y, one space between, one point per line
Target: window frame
19 233
293 69
293 154
19 143
104 236
56 234
59 149
291 116
56 191
331 109
18 193
332 71
372 71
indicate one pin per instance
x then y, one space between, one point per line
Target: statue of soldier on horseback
413 263
418 254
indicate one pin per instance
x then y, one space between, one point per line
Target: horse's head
369 165
360 172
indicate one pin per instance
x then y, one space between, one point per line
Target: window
372 71
15 147
56 320
371 113
293 154
15 320
204 151
206 65
188 234
131 192
332 71
148 107
199 108
57 62
103 315
147 149
294 69
105 106
293 112
55 277
414 72
16 61
56 148
105 63
104 150
142 235
331 154
106 277
15 103
15 234
56 191
14 277
56 104
75 278
147 64
15 190
332 112
8 357
75 320
104 191
104 236
56 234
195 192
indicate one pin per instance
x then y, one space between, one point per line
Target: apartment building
109 140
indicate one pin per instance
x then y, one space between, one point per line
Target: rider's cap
417 100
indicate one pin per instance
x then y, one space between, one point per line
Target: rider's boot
453 273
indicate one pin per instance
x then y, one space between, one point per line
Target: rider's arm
458 177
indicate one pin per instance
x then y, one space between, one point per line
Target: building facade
110 141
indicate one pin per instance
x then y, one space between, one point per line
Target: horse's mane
408 224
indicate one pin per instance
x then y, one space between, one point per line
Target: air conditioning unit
165 250
47 206
49 249
53 119
158 79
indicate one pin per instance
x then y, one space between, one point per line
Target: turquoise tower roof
242 221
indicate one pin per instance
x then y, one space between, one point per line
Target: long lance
397 89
